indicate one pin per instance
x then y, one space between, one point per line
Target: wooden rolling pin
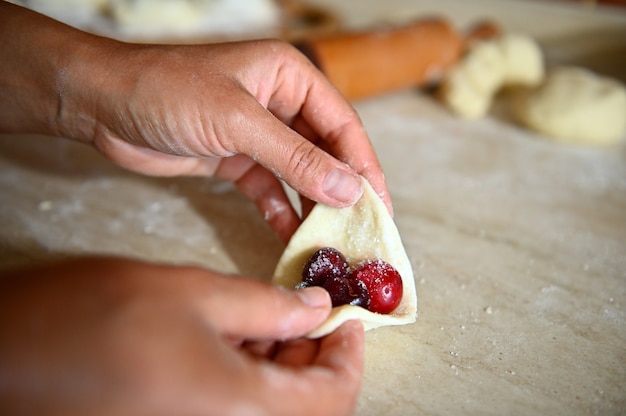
364 64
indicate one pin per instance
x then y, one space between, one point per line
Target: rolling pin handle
369 63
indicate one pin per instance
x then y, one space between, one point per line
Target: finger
297 352
342 350
256 183
334 375
256 310
152 162
261 349
300 125
344 137
308 169
331 118
266 191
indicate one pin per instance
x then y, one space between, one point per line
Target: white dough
468 88
462 98
484 67
575 105
158 18
73 12
363 231
522 61
162 19
150 17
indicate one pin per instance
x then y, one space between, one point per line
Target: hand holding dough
362 231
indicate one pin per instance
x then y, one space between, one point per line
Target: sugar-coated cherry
383 283
323 265
344 291
373 284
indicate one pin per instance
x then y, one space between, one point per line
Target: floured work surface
517 243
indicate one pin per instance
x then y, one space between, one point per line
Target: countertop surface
518 243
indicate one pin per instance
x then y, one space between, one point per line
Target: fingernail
342 186
315 297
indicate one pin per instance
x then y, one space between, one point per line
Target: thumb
252 309
307 168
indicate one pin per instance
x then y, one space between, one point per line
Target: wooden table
518 244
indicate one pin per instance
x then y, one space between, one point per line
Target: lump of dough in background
484 67
157 17
522 61
575 105
468 88
157 20
73 12
152 18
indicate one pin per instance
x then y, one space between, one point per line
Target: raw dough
158 18
162 19
468 88
73 12
575 105
522 59
363 231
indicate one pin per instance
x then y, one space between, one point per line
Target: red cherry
383 283
373 284
324 264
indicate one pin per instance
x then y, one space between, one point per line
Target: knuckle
278 46
305 161
286 55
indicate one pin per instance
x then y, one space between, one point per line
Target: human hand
248 112
113 336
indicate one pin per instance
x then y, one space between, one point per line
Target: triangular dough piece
363 231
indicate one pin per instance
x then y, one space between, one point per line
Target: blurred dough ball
73 12
575 105
159 18
468 88
522 59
